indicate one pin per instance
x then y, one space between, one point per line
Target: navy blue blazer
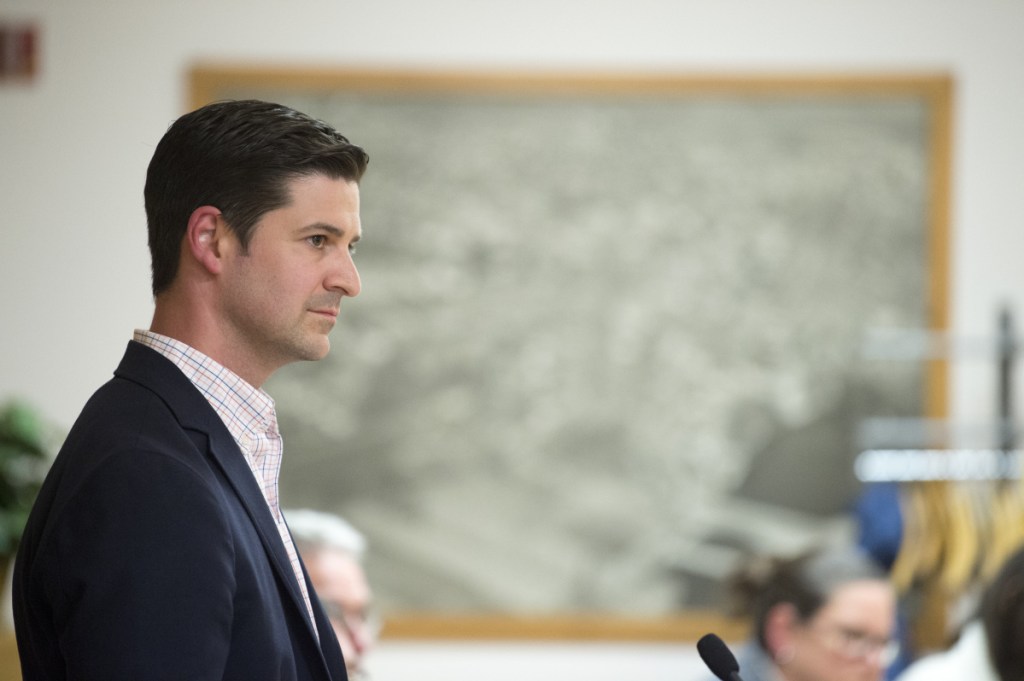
151 553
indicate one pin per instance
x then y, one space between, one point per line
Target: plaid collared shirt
250 417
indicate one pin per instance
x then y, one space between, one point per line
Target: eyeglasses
364 625
854 644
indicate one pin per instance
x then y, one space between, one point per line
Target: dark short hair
238 156
1002 615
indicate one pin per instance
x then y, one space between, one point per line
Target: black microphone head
718 657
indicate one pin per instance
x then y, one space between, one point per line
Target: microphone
718 658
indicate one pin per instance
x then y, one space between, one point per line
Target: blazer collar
149 368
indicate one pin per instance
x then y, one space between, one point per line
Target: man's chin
315 349
320 354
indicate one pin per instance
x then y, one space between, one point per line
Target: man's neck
204 334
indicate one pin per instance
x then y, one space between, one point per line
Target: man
333 551
157 548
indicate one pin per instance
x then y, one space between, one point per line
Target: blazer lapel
329 646
225 451
146 366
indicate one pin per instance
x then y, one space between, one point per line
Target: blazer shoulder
149 408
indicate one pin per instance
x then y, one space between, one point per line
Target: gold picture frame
928 169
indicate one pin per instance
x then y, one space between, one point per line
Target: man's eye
351 249
318 240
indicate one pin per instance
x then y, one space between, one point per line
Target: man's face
281 298
340 583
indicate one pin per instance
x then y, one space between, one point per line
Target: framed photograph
611 335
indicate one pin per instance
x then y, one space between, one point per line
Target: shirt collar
245 409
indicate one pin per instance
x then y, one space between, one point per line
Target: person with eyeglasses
824 615
333 552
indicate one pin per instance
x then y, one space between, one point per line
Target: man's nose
344 277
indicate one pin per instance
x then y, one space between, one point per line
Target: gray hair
806 581
315 530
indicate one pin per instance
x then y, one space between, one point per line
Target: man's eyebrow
330 229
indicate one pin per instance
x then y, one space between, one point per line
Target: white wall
74 144
454 661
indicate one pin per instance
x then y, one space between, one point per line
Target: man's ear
204 237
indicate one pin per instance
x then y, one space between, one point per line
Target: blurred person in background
333 551
825 615
991 645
